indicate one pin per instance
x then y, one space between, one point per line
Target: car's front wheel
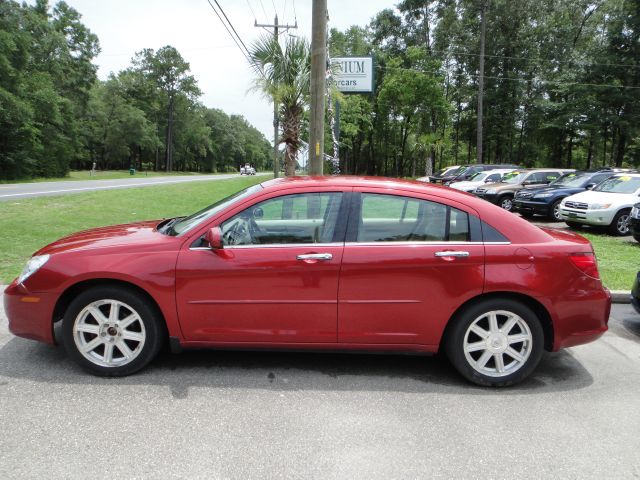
554 211
495 342
620 224
506 202
112 331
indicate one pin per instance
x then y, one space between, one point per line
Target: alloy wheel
622 225
497 343
109 333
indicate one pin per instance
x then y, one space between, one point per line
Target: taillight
586 263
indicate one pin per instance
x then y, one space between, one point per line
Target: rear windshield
621 184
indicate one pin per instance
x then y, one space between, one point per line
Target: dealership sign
354 74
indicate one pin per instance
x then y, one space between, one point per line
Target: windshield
478 177
622 184
197 218
571 180
514 177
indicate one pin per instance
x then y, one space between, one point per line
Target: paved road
273 415
17 191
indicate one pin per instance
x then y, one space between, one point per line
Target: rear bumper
581 320
30 314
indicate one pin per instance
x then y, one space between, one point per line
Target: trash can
132 171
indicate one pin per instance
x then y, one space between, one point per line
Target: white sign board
354 74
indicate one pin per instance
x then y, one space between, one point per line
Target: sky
127 26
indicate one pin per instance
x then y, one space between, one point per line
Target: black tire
620 224
636 237
506 202
554 211
574 225
148 325
460 333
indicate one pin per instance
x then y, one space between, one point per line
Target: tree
283 73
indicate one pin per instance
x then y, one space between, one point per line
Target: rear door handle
451 254
315 256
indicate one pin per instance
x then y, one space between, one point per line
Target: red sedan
330 263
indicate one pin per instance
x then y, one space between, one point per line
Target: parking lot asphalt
208 414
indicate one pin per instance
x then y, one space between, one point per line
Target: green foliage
55 114
560 88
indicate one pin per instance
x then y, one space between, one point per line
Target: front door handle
451 253
315 256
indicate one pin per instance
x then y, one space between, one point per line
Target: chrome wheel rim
623 224
556 212
109 333
507 204
498 343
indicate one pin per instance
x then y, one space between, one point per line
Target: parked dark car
546 199
465 172
634 221
503 192
635 293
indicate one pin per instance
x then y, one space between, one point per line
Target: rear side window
392 218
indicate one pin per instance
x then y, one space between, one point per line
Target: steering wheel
239 233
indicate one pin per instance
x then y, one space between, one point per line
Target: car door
276 278
408 264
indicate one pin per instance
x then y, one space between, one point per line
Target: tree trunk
169 137
483 27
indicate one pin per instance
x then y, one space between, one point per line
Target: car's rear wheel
620 224
554 211
506 202
495 342
111 331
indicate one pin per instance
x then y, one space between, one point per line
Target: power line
231 25
284 10
263 9
252 12
245 52
539 80
295 15
275 10
538 59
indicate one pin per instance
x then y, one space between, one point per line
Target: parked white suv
480 178
608 204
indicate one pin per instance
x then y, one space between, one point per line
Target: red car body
369 296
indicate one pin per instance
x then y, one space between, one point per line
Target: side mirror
590 186
214 237
258 213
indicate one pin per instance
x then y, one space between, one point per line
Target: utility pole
483 28
276 118
318 81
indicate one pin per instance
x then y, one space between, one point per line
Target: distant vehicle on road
331 263
606 205
247 170
546 200
503 192
439 174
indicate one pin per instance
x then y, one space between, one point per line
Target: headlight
33 265
599 206
543 195
490 190
635 212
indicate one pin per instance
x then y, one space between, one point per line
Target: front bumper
588 217
634 225
30 314
528 206
489 197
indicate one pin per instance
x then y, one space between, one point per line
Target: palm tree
283 74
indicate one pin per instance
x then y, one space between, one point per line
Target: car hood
590 196
130 234
558 189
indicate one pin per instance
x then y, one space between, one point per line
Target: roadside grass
27 225
618 259
103 175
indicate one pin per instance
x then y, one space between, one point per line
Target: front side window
391 218
290 219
